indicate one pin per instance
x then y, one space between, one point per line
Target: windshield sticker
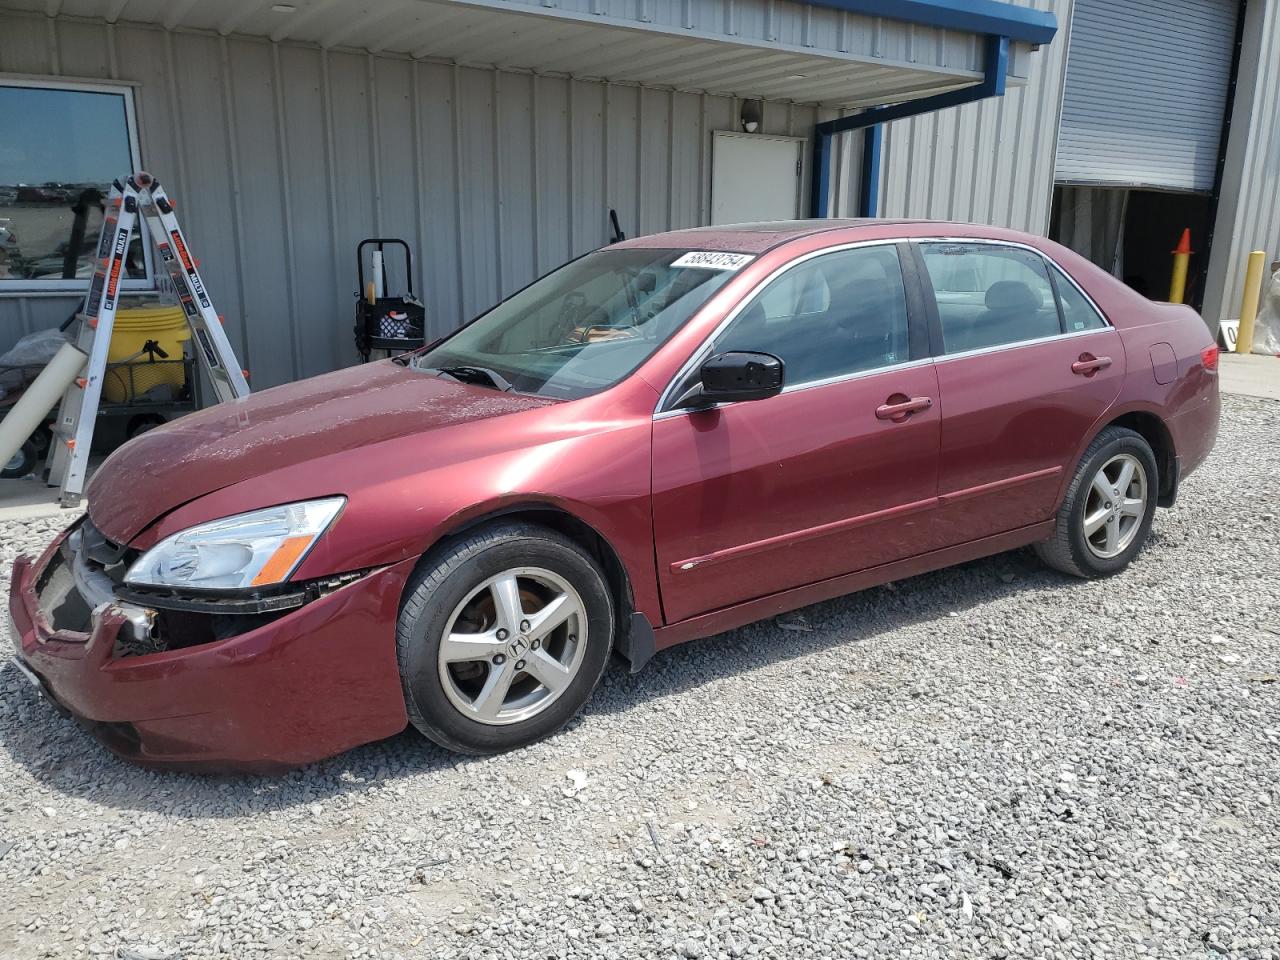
713 260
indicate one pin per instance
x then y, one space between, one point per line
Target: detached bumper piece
262 684
276 600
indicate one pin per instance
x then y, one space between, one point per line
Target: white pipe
25 416
379 275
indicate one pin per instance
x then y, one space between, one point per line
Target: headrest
1012 296
814 295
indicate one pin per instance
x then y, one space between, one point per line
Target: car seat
1014 311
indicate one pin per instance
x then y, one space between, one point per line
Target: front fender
600 477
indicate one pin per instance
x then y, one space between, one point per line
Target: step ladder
138 196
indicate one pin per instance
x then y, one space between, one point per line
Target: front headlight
253 549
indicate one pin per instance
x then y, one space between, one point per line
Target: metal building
496 136
1139 120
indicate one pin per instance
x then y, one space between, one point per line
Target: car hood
281 427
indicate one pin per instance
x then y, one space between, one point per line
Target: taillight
1209 357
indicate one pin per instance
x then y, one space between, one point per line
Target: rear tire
1106 514
502 637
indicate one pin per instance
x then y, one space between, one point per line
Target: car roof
765 235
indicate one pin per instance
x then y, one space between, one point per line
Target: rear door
753 498
1026 365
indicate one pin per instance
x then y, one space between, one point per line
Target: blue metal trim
869 184
974 16
820 182
992 85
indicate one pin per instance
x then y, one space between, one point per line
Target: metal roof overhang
991 17
836 53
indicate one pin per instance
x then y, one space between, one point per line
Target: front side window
834 315
586 326
990 295
62 146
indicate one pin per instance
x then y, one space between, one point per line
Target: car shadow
67 760
849 619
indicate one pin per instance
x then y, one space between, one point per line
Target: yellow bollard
1181 258
1249 304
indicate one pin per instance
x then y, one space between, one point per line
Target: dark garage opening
1132 234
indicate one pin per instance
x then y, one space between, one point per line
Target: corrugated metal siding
297 153
986 162
1249 209
1145 91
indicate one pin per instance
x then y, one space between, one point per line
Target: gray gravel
990 761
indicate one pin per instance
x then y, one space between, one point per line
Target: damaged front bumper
307 683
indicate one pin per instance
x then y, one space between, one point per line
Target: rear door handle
1088 364
899 406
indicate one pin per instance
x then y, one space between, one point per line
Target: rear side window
990 295
1077 312
833 315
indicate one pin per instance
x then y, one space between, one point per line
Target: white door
754 177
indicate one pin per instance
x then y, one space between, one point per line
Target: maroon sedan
661 440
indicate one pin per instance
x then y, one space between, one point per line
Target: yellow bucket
134 326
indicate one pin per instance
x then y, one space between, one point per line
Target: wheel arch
1148 423
633 636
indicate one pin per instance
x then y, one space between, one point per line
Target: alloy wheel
513 646
1116 504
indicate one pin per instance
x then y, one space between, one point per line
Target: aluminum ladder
138 196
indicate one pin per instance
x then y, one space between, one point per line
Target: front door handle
1088 364
899 406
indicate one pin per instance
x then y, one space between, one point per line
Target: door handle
899 406
1088 364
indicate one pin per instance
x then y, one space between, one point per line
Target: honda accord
663 439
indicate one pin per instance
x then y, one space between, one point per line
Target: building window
63 144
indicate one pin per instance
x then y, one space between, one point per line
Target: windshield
586 326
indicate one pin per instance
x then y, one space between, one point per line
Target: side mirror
735 376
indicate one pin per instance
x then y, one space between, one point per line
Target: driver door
824 479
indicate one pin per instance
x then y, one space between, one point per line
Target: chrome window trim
1050 263
1001 347
807 385
703 348
857 374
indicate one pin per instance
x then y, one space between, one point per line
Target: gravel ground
989 761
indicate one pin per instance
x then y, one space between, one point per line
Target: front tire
502 637
1106 514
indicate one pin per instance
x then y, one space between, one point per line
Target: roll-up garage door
1145 92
